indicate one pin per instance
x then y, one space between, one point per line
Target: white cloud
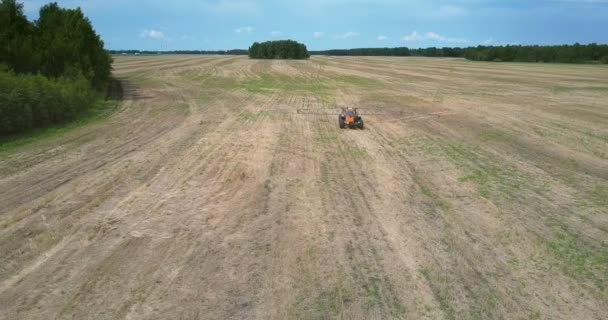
432 36
247 29
152 34
347 35
276 33
488 41
382 38
437 37
318 34
414 36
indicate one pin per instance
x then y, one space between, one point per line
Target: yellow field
222 187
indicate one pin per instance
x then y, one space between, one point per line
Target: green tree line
577 53
201 52
282 49
397 52
51 69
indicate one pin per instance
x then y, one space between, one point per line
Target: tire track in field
349 205
235 146
64 173
212 172
165 64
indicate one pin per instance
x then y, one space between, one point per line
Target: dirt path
223 188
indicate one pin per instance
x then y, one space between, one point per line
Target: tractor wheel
361 125
341 122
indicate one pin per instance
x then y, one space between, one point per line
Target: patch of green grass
581 260
100 111
360 82
599 195
589 191
294 85
579 138
483 299
301 85
440 292
334 137
428 192
317 300
372 291
355 152
601 136
603 90
326 177
222 83
478 171
327 137
540 132
307 261
594 89
146 80
477 93
482 178
329 303
248 116
398 311
262 85
495 135
182 107
425 190
390 100
590 196
493 181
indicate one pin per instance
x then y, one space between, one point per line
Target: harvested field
223 188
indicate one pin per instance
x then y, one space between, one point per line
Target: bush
57 64
283 49
33 101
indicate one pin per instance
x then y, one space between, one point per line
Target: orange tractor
350 118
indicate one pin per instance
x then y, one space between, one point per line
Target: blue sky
326 24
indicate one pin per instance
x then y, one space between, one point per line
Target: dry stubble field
223 188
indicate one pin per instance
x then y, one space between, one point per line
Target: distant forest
577 53
51 70
203 52
282 49
397 52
